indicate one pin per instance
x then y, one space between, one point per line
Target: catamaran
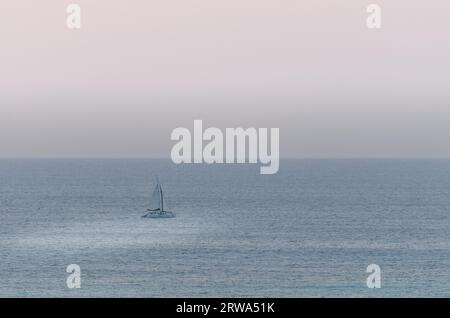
158 205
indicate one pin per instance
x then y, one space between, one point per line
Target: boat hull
158 215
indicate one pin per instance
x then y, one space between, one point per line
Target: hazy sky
138 69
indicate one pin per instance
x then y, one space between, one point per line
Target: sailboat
158 205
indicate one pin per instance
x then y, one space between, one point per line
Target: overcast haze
138 69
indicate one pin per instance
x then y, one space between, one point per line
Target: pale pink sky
137 69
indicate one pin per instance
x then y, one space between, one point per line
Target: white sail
155 202
164 206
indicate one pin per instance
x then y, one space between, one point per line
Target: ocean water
309 231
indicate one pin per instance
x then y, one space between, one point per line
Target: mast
161 198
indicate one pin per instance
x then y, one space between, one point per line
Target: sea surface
309 231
